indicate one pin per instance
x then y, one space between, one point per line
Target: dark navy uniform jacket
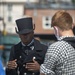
24 55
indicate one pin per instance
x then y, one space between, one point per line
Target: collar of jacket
28 44
37 45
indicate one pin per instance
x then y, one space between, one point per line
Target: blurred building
10 10
40 10
42 13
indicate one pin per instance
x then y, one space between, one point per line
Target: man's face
26 38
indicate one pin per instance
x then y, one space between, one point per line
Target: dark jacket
16 53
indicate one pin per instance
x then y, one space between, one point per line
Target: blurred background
41 11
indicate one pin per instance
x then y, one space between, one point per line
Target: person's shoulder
44 46
40 43
17 45
58 43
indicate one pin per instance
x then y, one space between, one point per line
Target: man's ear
56 28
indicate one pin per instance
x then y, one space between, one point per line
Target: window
9 7
46 22
9 12
9 18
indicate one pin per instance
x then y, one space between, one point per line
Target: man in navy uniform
26 56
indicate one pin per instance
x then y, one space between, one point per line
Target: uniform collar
31 44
